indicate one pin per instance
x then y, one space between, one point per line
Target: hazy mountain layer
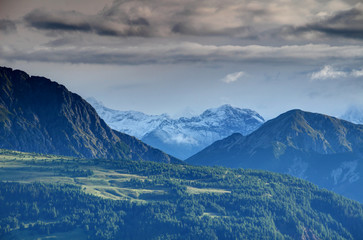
322 149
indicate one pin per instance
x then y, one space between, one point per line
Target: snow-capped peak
228 111
134 123
184 136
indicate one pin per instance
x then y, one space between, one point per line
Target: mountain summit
184 136
133 123
322 149
38 115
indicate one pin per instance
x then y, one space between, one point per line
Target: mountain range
109 197
322 149
184 136
38 115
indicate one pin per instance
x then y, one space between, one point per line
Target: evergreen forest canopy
64 197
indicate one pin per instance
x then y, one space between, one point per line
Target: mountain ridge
39 115
184 136
325 150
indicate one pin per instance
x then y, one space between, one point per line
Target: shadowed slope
38 115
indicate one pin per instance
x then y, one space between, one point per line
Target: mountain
322 149
354 114
133 123
184 136
38 115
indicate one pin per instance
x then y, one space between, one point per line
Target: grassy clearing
194 190
211 215
8 155
104 182
110 191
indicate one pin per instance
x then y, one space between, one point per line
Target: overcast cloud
283 42
7 26
184 52
344 24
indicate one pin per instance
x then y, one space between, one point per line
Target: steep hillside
322 149
38 115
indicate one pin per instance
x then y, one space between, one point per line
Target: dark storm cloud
212 18
187 31
232 19
156 18
7 26
346 24
73 21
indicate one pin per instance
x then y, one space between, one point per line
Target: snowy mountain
184 136
354 114
133 123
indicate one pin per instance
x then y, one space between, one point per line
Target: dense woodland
251 205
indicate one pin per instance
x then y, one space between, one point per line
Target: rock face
322 149
38 115
181 137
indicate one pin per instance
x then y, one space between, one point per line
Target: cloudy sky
172 56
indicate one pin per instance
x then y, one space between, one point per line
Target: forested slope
147 200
